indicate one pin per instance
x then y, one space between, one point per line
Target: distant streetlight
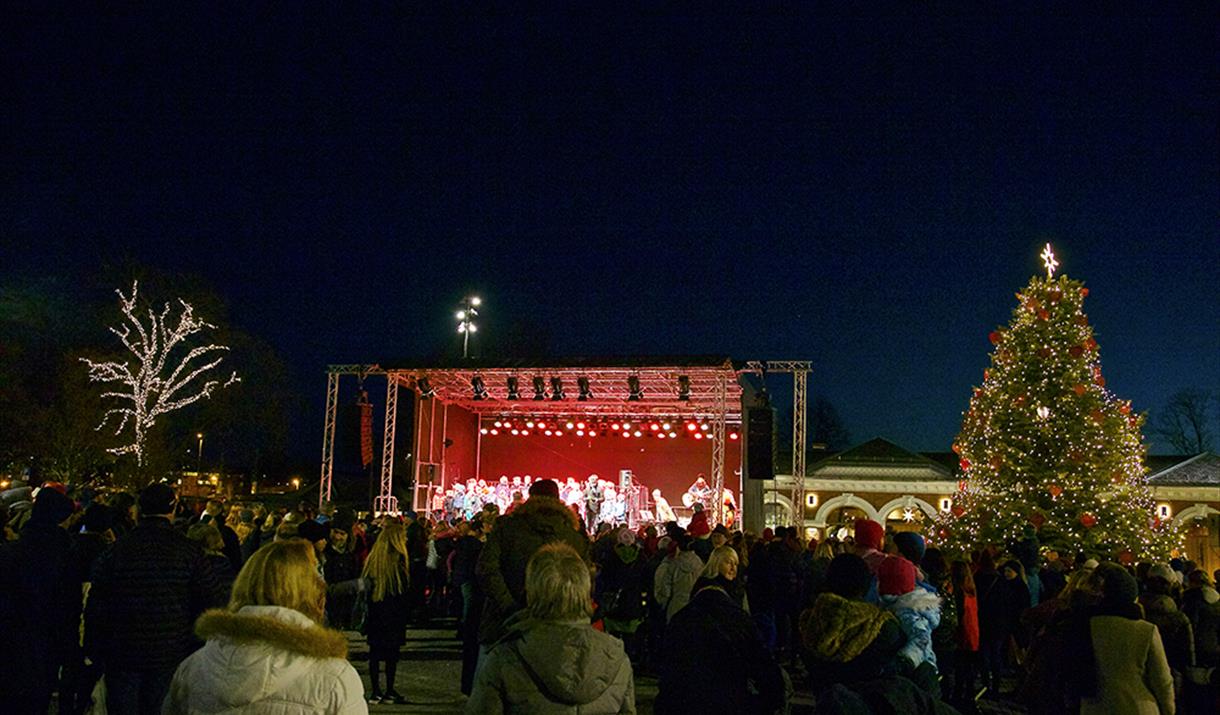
466 326
199 454
296 482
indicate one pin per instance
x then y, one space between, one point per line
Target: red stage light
558 433
495 431
579 425
541 425
692 426
547 433
732 435
516 431
654 426
483 430
698 435
614 426
665 426
626 434
626 425
703 427
635 433
525 432
529 424
580 433
570 425
497 424
661 435
673 435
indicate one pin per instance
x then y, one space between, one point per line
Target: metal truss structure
386 502
718 425
328 426
800 370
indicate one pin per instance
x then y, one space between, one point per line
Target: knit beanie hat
98 518
1117 586
1163 571
626 538
156 499
910 545
895 576
698 525
869 534
51 507
545 488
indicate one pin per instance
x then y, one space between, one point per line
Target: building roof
1201 470
881 453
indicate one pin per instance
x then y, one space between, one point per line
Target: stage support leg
798 448
328 437
717 516
386 501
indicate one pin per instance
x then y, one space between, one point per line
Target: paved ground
429 676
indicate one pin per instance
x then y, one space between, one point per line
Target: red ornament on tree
1091 344
1098 416
1044 353
1054 294
1125 408
1037 519
995 337
1043 315
1084 292
964 464
986 374
1125 557
1079 389
997 461
1082 320
1055 490
957 449
957 510
1076 351
1088 520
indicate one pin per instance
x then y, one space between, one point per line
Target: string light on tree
161 377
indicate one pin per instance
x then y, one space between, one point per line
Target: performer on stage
701 492
504 493
593 501
730 509
664 512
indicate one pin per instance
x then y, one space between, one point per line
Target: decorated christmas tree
1044 444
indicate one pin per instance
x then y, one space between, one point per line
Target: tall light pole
199 455
466 326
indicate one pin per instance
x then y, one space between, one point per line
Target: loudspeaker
760 443
354 435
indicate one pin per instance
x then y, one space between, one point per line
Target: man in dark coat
38 607
543 519
713 654
214 513
147 591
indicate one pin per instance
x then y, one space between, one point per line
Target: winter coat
147 591
554 667
513 541
385 621
621 589
1207 636
968 622
918 613
674 580
845 641
1133 675
713 656
465 557
341 566
1001 602
1173 625
266 659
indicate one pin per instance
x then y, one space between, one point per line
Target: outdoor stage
663 420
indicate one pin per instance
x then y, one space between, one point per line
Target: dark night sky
863 192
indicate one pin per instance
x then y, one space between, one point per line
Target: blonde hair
557 585
386 565
282 573
715 562
207 535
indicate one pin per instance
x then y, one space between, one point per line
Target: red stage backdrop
667 464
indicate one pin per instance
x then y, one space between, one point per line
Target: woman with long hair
268 652
386 571
966 657
721 571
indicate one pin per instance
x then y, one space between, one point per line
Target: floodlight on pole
466 325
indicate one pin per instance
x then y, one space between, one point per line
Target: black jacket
714 650
147 591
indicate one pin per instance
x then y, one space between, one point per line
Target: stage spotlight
514 391
654 426
673 435
698 435
585 392
556 388
704 427
635 433
626 433
558 433
614 426
495 431
539 388
541 425
525 432
483 430
516 431
480 390
425 388
580 433
634 392
661 435
626 425
571 425
692 426
665 426
547 433
579 425
684 388
497 423
732 435
530 424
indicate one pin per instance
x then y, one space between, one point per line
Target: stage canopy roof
635 387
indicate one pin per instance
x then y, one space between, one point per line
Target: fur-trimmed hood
282 628
265 659
918 600
838 629
545 508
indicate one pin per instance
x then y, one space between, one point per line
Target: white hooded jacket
266 660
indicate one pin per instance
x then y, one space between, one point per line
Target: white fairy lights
156 382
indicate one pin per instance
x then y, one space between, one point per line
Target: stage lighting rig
514 388
557 389
480 389
684 388
539 388
466 326
425 388
585 392
634 392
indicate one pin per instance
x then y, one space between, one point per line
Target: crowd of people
146 605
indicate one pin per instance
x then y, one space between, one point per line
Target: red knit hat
698 525
869 534
895 576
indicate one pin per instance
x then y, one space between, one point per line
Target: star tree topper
1048 260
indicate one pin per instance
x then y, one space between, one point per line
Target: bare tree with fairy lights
165 373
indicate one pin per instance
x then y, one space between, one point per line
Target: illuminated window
811 500
946 504
1163 511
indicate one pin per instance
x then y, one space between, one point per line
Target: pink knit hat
869 534
895 576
